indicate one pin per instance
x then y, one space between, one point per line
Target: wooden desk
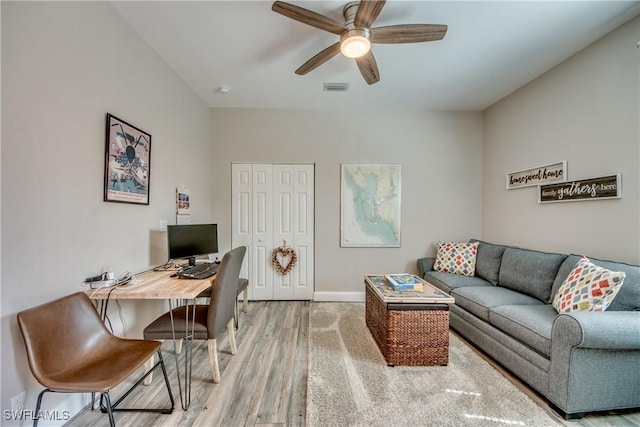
155 285
160 285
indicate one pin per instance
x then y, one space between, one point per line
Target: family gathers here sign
556 172
606 187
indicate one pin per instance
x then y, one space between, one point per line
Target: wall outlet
17 401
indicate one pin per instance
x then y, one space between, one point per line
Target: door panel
283 236
304 230
262 232
241 208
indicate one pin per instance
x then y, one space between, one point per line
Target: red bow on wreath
283 253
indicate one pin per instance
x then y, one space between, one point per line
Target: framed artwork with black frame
127 164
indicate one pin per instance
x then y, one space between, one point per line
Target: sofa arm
609 330
594 361
424 265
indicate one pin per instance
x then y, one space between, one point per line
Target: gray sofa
580 361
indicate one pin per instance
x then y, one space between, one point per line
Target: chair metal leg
38 404
166 379
114 407
112 422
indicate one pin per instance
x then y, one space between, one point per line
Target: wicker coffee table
410 328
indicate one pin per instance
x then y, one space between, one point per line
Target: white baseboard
338 296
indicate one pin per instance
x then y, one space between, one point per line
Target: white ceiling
490 50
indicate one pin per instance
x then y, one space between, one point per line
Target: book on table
403 282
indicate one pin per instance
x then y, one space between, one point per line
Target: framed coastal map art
370 205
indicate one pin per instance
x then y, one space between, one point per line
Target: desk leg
101 307
185 396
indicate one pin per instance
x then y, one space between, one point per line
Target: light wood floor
264 384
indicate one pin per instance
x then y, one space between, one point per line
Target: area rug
350 384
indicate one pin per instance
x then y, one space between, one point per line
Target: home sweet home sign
556 172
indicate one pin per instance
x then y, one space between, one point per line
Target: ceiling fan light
355 46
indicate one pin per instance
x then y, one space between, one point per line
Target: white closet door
261 271
273 205
241 209
283 196
303 231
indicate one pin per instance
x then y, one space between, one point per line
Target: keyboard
199 271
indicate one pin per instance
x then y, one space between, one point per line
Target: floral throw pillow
588 288
456 258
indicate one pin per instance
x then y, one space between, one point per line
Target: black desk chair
71 351
210 320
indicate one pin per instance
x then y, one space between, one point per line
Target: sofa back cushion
628 297
530 272
449 281
488 260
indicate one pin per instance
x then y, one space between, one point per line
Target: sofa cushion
529 272
479 300
457 258
628 297
488 260
588 288
529 324
448 281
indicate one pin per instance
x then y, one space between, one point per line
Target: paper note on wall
183 206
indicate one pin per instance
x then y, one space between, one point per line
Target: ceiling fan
356 34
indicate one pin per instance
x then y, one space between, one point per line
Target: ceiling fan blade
408 33
368 68
368 11
319 59
308 17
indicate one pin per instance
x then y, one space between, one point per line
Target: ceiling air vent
335 87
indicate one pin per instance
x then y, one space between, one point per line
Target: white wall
585 111
440 154
64 66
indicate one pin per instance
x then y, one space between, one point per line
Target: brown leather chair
71 351
210 319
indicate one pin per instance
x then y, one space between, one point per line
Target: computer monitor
192 240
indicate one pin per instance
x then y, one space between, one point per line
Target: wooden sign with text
606 187
556 172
